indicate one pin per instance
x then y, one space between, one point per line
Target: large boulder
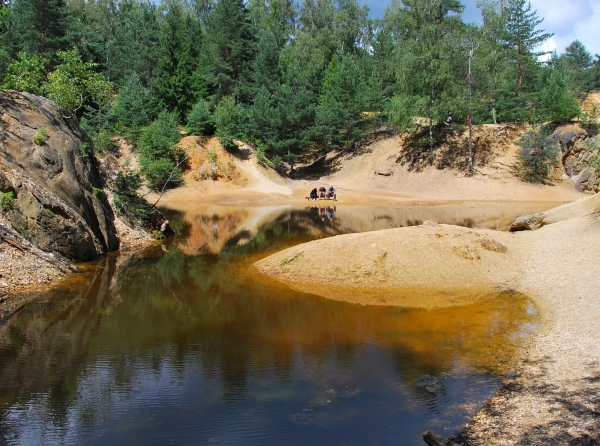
59 202
528 222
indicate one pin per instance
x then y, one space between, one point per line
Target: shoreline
553 397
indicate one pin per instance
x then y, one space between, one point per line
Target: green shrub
558 103
229 120
159 154
40 137
159 139
161 172
134 106
537 157
7 200
200 120
127 202
103 141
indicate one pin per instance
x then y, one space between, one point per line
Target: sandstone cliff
59 203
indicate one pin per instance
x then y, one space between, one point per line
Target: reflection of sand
210 227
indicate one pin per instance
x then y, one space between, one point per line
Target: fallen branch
433 439
169 179
13 243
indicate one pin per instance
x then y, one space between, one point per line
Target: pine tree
521 37
134 106
577 61
276 16
229 51
265 67
339 113
37 27
136 43
180 82
425 64
558 104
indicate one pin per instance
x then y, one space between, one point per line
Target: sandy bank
554 396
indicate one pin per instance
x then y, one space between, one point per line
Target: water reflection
186 343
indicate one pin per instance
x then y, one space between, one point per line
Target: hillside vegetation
292 79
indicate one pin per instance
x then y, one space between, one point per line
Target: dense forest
283 76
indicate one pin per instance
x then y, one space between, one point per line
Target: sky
567 19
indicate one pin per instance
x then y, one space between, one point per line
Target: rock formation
59 203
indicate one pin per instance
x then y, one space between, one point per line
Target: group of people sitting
323 193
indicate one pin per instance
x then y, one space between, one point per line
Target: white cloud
567 19
576 19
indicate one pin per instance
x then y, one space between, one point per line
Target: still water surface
186 343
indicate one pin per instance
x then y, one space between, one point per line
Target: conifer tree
37 27
558 104
341 104
180 82
521 37
136 44
134 106
577 61
277 16
229 51
425 62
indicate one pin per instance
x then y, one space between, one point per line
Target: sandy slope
357 181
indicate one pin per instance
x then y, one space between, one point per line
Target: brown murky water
186 343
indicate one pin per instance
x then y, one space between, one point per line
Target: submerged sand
554 397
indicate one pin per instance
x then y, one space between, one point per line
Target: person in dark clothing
313 194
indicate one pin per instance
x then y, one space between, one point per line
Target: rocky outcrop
577 149
59 203
528 222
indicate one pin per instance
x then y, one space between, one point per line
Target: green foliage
27 73
159 154
162 172
200 120
556 100
135 45
537 156
75 82
134 106
127 202
229 121
520 37
342 102
37 27
159 139
590 119
180 82
426 73
229 51
318 74
103 141
40 137
577 62
7 200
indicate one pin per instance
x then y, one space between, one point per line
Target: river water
186 343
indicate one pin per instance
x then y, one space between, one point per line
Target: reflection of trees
168 307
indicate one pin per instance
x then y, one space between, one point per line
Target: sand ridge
553 396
